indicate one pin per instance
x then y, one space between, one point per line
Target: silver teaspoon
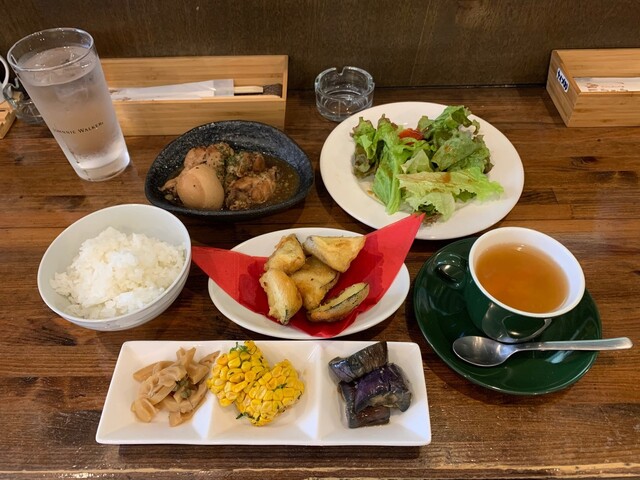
485 352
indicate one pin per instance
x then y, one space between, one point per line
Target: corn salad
243 378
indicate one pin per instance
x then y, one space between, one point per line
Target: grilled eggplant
367 416
385 386
360 363
370 386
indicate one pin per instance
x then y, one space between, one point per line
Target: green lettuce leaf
396 152
419 189
385 182
366 156
480 158
431 175
456 148
420 162
446 124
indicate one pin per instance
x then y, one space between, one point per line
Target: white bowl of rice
116 268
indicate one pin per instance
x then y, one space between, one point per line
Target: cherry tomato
411 133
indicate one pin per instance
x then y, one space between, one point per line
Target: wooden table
581 186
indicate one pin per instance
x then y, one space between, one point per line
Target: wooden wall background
402 43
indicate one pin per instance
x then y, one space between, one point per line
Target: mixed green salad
430 167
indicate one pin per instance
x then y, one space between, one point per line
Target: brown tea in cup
522 277
514 282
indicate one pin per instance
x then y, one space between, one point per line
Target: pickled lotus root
178 387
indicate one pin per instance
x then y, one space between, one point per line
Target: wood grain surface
581 186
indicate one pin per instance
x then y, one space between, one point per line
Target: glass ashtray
341 94
24 107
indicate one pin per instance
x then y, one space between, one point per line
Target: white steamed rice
115 273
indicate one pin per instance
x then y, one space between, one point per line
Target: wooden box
589 108
174 117
7 116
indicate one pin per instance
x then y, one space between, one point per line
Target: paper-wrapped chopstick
185 91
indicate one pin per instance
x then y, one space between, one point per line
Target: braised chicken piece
245 178
251 190
170 188
215 156
244 163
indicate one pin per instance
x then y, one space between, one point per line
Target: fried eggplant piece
359 363
386 386
369 416
288 255
337 252
314 280
282 294
339 307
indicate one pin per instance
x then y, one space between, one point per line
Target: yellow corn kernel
239 387
250 376
235 371
242 377
235 362
288 401
278 395
271 394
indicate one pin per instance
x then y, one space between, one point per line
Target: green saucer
442 316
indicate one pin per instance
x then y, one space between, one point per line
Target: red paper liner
378 264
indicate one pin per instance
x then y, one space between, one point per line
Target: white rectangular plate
317 419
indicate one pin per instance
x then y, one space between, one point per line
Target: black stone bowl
241 135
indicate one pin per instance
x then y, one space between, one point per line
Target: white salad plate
354 195
264 246
317 419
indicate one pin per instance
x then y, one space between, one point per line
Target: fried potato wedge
282 294
339 307
314 280
337 252
288 255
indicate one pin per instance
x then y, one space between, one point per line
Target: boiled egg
200 188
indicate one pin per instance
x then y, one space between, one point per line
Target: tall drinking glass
61 72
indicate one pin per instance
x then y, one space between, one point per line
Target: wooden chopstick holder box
174 117
582 103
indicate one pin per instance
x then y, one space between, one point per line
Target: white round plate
264 246
336 160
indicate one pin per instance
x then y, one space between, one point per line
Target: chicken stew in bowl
238 180
230 170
